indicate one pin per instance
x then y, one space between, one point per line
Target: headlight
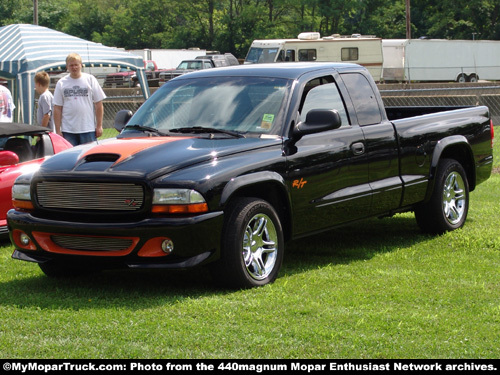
21 192
21 197
178 201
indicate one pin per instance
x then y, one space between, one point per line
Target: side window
349 54
307 55
322 93
290 55
364 98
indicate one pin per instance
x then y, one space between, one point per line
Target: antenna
88 58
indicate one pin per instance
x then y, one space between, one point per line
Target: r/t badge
299 184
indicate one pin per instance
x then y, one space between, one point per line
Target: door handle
358 148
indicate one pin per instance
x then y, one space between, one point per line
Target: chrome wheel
448 204
454 198
252 244
260 246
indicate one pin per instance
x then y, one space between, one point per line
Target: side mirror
121 119
317 121
8 158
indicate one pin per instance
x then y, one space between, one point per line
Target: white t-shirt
77 97
6 105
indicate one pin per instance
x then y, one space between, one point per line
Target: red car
23 148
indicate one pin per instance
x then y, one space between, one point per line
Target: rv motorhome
356 48
427 60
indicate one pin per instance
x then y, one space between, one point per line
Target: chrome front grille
92 243
90 196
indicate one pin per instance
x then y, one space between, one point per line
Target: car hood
148 157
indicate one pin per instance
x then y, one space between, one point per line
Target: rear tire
252 245
449 203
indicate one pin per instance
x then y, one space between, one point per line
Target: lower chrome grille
92 243
90 196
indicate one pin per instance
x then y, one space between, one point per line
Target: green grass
377 289
108 133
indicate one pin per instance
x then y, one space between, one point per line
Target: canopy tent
27 49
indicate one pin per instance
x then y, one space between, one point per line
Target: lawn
377 289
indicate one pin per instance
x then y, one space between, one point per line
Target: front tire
252 245
449 203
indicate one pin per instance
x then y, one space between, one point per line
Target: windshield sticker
267 121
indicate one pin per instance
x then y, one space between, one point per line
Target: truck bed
396 113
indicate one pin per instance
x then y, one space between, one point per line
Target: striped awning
27 49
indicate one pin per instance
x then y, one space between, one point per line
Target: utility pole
408 20
35 12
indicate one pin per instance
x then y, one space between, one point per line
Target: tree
231 25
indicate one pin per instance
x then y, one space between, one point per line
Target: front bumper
196 240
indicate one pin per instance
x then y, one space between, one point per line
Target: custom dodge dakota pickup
221 167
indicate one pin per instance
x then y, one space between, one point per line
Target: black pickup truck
221 167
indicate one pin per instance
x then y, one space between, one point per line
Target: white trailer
356 48
168 58
427 60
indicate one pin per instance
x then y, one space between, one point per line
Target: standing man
6 105
78 108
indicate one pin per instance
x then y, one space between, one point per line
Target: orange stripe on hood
126 147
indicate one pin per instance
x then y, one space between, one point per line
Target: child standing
45 106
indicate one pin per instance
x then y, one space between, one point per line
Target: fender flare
247 180
441 146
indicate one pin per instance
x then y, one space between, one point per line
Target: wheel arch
269 186
454 147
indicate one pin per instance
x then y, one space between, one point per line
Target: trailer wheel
449 203
252 245
462 78
473 78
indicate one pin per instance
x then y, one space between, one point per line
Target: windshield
190 65
261 55
237 104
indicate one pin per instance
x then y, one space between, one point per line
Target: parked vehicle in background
168 58
199 63
221 166
184 67
434 60
220 60
128 78
365 50
23 148
152 74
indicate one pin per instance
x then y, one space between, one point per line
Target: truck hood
148 157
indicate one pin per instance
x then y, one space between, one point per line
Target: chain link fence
116 100
398 95
451 95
